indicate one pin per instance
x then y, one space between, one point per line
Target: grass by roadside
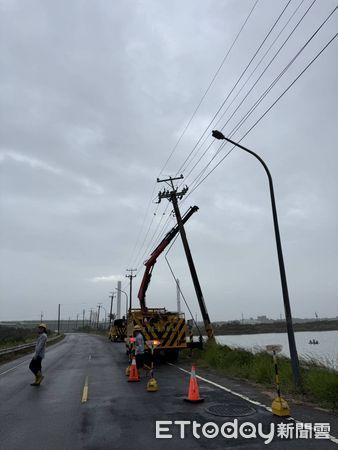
12 336
320 384
53 338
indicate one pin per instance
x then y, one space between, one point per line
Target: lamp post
291 337
126 299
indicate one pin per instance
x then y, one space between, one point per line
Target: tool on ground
133 376
279 405
194 394
152 385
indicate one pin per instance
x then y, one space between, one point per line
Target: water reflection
325 352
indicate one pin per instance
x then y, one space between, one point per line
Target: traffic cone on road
194 394
133 375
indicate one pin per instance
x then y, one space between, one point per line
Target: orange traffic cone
194 394
133 375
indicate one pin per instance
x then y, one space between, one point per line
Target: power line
273 104
142 226
233 88
208 88
238 125
172 272
257 65
257 51
263 95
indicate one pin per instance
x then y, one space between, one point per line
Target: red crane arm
150 263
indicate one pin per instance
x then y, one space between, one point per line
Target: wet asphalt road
118 414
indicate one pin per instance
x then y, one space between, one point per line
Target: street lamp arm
120 290
218 135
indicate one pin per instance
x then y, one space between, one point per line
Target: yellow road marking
85 391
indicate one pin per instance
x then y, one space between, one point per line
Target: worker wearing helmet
35 364
139 347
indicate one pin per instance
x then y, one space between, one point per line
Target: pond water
326 351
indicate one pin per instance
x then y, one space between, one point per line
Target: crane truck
169 328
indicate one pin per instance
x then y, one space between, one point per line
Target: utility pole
118 300
131 276
77 319
98 315
41 316
172 196
59 319
83 317
178 293
111 306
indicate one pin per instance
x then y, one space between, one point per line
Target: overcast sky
94 98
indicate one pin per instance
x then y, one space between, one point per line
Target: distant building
263 319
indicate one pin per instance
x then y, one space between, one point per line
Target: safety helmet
137 328
43 325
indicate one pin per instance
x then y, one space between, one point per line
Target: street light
291 337
126 299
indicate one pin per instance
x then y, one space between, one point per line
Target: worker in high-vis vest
139 347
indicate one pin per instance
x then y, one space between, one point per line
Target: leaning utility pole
172 196
131 276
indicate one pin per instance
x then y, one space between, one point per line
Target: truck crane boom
150 263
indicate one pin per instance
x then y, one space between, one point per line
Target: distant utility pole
59 319
111 306
131 276
98 315
77 319
41 316
173 196
83 317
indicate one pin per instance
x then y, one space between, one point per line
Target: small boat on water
313 341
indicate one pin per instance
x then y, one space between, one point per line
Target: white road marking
237 394
85 391
244 397
13 368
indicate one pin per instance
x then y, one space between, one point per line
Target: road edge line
244 397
